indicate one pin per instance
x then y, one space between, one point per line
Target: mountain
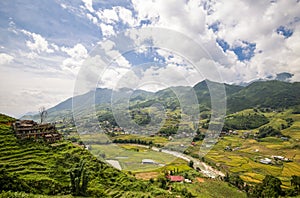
260 94
203 92
265 94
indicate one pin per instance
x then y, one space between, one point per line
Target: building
28 129
265 161
223 133
284 138
175 178
148 161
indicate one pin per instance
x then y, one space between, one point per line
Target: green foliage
140 117
163 182
199 136
107 116
12 182
10 194
191 163
270 187
132 141
168 130
6 119
245 121
295 182
267 94
268 132
40 168
79 179
235 180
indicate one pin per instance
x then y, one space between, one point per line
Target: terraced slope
41 168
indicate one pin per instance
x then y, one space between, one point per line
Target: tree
270 187
43 113
295 181
79 179
191 163
236 180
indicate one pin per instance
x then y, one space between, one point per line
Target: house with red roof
175 178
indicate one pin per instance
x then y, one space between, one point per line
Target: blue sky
43 44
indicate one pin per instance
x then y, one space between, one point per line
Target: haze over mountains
272 94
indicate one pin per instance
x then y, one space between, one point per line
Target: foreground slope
39 168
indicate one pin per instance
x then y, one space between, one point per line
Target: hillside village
28 129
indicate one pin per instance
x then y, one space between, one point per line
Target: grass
212 188
131 156
245 161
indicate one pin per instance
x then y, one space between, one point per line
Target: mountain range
272 94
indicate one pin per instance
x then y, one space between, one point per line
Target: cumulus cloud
126 16
107 30
77 55
38 43
109 16
257 23
258 34
246 40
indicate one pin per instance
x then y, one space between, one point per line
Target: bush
268 131
245 122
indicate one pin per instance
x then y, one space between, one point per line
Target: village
28 129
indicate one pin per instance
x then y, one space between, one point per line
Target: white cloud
31 91
257 23
88 5
77 54
239 21
38 43
126 16
107 30
253 22
92 18
187 17
108 16
5 58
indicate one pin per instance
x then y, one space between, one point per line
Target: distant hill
261 94
203 92
265 94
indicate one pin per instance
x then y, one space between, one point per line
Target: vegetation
245 121
268 132
265 117
79 179
51 169
270 187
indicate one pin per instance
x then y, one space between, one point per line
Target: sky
46 46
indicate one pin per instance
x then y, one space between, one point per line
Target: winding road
205 169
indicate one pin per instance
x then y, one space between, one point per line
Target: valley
254 143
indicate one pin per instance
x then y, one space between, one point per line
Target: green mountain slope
40 168
261 94
265 94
